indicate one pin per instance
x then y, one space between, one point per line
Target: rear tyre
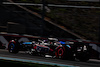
13 48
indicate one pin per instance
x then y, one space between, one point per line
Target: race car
59 49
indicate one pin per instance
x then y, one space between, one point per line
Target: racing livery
59 49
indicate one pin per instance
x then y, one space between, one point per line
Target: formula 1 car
59 49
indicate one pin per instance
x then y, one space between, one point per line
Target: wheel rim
11 47
60 52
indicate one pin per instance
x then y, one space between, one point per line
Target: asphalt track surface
23 55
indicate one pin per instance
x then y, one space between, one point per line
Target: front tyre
60 53
65 54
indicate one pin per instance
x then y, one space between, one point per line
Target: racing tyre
60 53
13 48
64 54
